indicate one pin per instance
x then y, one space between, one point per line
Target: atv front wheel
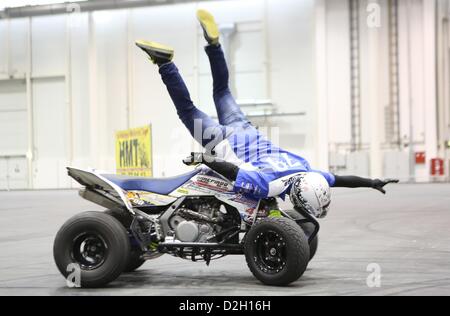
277 251
97 243
308 229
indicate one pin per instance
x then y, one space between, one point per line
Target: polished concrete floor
405 233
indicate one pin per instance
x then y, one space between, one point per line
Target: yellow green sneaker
209 26
159 54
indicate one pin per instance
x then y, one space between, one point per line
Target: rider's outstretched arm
358 182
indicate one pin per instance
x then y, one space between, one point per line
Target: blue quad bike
194 216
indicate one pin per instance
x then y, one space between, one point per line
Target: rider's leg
202 127
228 110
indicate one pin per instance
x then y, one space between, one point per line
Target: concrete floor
405 232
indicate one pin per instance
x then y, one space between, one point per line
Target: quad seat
156 185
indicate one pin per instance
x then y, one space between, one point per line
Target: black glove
194 159
379 184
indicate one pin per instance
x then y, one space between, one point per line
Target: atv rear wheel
308 229
134 258
97 243
277 251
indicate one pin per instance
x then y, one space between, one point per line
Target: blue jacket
265 170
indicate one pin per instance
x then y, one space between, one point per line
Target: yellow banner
134 152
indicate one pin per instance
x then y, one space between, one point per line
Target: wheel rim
270 255
89 250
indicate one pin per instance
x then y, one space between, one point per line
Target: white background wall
78 78
88 80
417 87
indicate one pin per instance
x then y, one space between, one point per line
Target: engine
199 221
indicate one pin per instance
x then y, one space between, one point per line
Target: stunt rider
235 148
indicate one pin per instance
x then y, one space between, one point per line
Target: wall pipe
30 114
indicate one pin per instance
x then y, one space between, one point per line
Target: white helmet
310 191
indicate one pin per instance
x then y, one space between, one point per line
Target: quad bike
194 216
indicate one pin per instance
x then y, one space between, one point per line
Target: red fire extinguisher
437 167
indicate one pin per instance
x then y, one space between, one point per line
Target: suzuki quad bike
194 216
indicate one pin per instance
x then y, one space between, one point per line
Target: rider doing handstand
235 148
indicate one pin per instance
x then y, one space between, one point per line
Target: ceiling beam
87 6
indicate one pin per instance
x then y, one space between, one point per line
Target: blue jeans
201 126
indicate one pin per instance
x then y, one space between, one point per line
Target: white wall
338 70
84 79
418 80
416 62
13 105
88 80
443 75
293 86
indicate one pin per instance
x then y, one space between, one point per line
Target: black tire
308 228
75 239
313 247
291 256
134 259
122 216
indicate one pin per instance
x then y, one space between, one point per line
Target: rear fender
97 187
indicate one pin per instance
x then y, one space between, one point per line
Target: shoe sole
155 47
208 24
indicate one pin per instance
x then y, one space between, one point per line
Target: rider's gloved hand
379 184
194 159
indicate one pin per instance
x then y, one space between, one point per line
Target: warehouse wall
443 76
417 82
83 79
